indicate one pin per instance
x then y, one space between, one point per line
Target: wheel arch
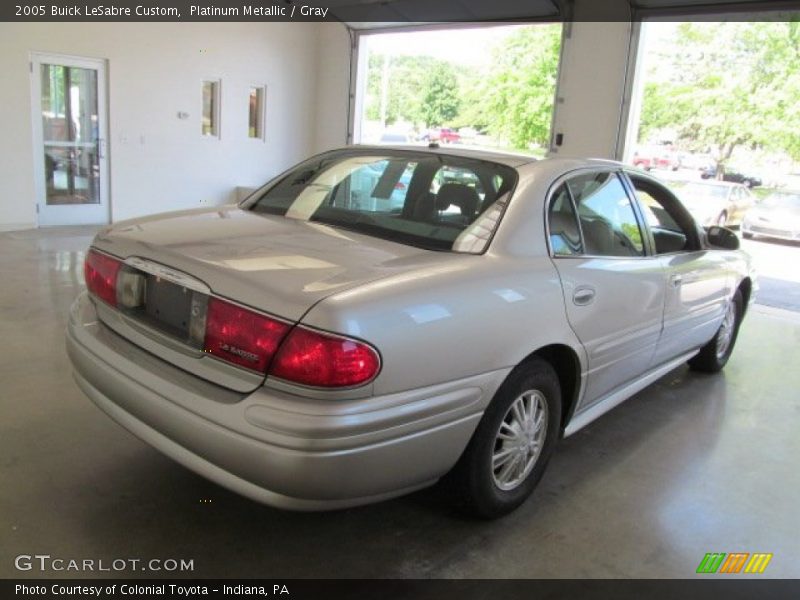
746 288
567 365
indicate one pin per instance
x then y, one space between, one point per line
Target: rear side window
607 219
565 236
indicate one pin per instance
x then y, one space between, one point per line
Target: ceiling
383 14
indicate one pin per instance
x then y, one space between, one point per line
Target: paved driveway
778 267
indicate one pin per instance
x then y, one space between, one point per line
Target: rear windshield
421 199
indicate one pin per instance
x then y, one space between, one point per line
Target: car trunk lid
273 264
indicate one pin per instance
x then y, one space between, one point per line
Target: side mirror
722 237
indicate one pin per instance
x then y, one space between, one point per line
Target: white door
69 137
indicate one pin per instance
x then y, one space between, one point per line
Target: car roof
507 158
511 159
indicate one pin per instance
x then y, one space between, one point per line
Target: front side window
433 201
607 218
670 224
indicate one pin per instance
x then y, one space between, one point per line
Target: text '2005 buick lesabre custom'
377 318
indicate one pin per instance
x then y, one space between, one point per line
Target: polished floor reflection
694 464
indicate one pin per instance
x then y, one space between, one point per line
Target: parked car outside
446 135
776 217
656 157
733 175
717 202
395 137
696 162
314 351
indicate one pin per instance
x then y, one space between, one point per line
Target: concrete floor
693 464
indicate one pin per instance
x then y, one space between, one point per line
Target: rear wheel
715 354
509 450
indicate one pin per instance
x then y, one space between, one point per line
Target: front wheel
512 445
715 354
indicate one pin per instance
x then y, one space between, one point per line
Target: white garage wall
157 161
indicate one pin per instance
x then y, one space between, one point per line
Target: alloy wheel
725 335
519 440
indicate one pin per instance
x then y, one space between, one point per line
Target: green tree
409 81
517 98
730 85
440 99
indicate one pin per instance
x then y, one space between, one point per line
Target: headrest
457 194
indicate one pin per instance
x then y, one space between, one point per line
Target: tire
711 359
747 235
490 493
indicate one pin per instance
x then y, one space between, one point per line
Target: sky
470 47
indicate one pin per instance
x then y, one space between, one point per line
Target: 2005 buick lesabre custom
376 318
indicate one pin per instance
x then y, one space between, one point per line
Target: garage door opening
714 111
490 87
719 97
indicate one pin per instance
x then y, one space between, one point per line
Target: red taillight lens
100 272
321 360
241 336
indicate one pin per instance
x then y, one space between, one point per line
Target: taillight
322 360
241 336
250 339
100 272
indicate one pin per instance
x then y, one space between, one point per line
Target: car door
698 283
613 291
743 200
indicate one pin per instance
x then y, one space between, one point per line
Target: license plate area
168 307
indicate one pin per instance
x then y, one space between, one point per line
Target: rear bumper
282 450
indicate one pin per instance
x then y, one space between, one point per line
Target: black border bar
368 12
730 588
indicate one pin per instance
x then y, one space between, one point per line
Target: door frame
36 59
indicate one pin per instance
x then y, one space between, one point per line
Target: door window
671 225
607 219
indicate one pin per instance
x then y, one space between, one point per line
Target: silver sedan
379 317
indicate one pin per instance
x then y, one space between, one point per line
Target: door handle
676 280
101 148
583 296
